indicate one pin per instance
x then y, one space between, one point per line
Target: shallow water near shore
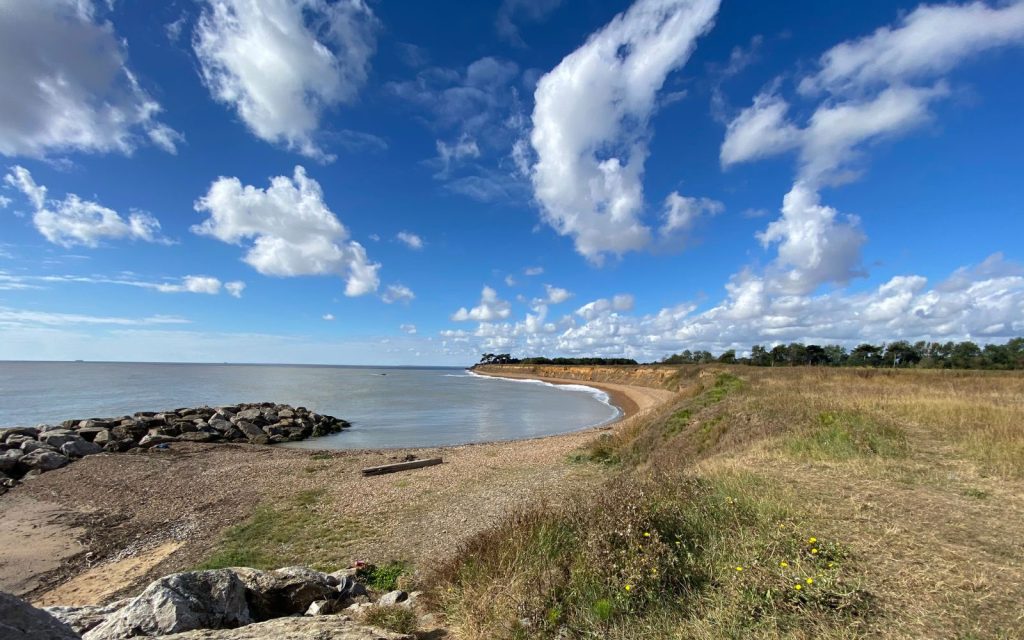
388 407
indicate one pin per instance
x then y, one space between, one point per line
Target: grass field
790 502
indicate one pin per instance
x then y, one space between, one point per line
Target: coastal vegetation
796 502
896 354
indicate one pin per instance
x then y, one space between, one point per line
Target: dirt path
140 515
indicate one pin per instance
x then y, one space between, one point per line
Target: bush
393 618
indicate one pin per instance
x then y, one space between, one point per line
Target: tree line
897 354
901 353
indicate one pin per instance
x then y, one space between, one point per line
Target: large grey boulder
250 430
21 621
43 460
285 592
28 446
180 602
307 628
9 459
84 618
80 448
57 438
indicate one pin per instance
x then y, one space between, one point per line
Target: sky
398 183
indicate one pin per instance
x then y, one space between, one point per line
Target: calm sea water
388 407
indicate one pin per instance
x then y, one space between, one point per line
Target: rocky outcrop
235 603
322 628
21 621
179 602
29 451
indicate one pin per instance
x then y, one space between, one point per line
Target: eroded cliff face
657 377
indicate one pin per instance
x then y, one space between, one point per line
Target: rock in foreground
319 628
21 621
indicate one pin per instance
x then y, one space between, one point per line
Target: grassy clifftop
772 503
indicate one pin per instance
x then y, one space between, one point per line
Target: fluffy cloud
591 117
533 271
288 228
815 244
869 94
397 293
70 89
982 302
282 63
410 239
328 317
490 308
73 221
603 306
555 295
408 328
759 131
928 41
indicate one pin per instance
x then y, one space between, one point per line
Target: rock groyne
29 451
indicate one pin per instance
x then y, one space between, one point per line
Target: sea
389 407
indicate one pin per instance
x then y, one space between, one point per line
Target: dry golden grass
915 479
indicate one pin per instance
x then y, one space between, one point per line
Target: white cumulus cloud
282 63
490 308
66 85
288 230
74 221
591 123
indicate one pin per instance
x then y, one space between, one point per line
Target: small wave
597 393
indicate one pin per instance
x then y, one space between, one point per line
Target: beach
107 524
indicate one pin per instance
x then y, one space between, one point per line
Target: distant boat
79 360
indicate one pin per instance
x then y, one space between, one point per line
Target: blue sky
352 182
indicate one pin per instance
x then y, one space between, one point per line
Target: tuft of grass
383 577
392 618
302 530
843 435
664 554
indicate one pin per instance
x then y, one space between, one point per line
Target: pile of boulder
294 602
27 451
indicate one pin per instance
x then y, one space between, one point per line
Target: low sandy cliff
656 377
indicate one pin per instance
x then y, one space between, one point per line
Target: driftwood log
400 466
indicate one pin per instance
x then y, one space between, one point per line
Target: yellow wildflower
797 587
809 581
814 550
739 568
783 564
628 587
812 540
647 535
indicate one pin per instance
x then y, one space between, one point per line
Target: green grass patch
602 450
393 618
841 435
382 577
303 530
